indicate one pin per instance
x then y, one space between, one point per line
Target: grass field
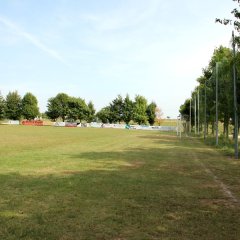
73 183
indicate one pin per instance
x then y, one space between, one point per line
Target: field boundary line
225 189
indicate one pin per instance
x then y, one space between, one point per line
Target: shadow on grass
136 193
90 205
109 205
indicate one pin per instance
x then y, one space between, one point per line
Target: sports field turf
73 183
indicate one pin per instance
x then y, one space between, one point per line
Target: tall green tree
58 106
77 109
151 108
222 57
104 115
185 109
52 111
208 80
2 107
140 107
13 106
91 112
128 109
30 108
116 109
219 69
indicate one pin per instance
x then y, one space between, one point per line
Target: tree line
15 107
214 91
212 101
68 108
127 110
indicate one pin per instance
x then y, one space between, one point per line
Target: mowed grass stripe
68 183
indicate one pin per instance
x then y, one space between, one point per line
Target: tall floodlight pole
180 125
195 114
190 123
217 103
198 112
177 126
205 109
235 99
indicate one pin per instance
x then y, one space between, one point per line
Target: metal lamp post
190 122
195 114
235 99
205 109
217 65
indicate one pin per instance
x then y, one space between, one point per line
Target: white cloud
32 39
124 16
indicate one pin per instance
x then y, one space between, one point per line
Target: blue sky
97 49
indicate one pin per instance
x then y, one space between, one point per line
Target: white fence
11 122
107 125
59 124
121 126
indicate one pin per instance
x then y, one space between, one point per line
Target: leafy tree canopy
13 106
91 112
140 107
104 115
128 107
30 108
2 107
58 106
151 108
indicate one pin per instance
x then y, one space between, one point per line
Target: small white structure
59 124
13 122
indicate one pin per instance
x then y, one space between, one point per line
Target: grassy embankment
65 183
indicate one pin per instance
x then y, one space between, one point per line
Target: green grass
169 122
226 145
73 183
